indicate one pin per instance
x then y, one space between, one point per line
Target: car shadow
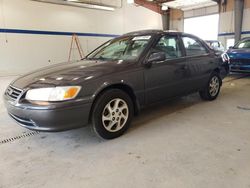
236 76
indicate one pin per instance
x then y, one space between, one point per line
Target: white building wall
20 53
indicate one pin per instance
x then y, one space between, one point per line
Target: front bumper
59 118
240 68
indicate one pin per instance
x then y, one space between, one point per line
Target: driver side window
170 46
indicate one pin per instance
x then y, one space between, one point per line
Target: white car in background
216 45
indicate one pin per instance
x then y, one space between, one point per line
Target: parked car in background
216 45
239 56
114 82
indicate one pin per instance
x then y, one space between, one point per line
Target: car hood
68 73
239 53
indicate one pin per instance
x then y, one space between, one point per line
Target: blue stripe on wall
60 33
37 32
228 34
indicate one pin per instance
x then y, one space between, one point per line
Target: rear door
166 79
199 62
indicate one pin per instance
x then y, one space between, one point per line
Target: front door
166 79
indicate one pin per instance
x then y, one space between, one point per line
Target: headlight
53 94
225 57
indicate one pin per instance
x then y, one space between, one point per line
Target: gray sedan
114 82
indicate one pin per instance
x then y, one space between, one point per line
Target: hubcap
115 115
214 86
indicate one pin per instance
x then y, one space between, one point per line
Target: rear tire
212 89
112 114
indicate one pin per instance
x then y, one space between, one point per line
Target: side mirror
231 47
158 56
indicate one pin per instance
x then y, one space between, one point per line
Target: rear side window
170 46
193 46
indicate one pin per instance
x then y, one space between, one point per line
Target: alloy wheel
115 115
214 86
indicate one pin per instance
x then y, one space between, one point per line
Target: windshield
127 48
243 44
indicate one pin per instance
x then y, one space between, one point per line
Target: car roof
246 38
150 32
155 32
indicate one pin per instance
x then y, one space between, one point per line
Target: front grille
13 92
240 61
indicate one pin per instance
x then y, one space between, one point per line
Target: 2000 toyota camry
114 82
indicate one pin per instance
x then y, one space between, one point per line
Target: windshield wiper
99 58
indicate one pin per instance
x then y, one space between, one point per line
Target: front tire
212 89
112 114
